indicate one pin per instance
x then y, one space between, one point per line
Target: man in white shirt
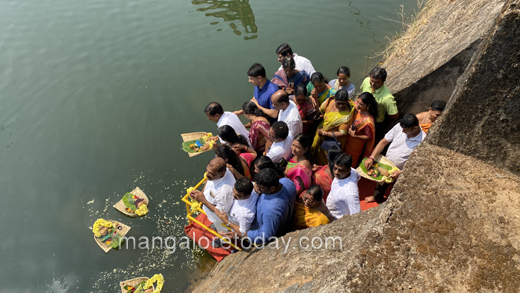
286 111
403 138
218 192
243 210
302 63
282 141
343 199
215 113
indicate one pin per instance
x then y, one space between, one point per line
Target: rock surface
455 229
436 49
483 117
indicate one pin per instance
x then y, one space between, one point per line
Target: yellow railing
193 206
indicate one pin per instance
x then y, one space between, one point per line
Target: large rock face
436 50
452 222
483 117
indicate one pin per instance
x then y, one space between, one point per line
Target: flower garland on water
101 223
156 278
142 210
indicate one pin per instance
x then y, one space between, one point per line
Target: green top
385 100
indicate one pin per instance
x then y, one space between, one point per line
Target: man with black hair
243 210
218 191
274 208
427 118
343 199
286 111
403 138
282 140
284 51
215 113
375 84
264 88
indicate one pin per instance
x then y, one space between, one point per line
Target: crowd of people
293 165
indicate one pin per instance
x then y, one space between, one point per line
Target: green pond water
94 96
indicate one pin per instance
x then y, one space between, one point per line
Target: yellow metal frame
193 206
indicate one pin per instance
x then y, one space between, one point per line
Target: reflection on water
238 12
364 22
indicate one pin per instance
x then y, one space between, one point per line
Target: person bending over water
217 193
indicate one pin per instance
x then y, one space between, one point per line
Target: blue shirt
274 213
263 95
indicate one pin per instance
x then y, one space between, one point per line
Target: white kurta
343 199
279 150
220 193
291 117
243 212
232 120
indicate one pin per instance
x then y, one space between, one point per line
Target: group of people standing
306 137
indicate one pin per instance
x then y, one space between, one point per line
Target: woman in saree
289 78
361 136
259 132
322 175
337 118
264 162
342 82
235 163
318 89
246 153
310 210
299 168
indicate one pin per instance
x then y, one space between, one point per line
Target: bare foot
370 199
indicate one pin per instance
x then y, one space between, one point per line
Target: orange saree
356 147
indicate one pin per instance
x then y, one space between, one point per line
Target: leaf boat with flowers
135 286
109 234
133 204
198 142
380 171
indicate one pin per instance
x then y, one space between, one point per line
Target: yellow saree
305 217
332 121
